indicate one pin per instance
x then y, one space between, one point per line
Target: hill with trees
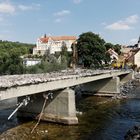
10 56
90 51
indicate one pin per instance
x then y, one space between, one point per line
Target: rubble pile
127 88
133 134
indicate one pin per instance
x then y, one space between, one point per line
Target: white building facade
53 44
137 58
31 61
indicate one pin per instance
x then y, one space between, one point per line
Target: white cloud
125 24
120 25
7 8
132 19
31 7
77 1
62 13
24 8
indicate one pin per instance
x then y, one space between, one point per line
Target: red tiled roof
44 39
57 38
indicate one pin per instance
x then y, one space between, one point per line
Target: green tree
109 46
116 48
10 60
91 49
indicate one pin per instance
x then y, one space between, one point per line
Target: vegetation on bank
90 51
10 56
50 62
11 61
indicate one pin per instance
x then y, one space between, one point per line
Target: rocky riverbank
127 88
133 134
23 132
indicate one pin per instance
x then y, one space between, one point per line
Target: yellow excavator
122 64
118 64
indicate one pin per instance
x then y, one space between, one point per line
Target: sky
116 21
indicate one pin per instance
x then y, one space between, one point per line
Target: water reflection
102 119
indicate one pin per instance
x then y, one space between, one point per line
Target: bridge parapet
36 85
10 81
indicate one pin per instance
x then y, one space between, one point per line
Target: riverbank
101 119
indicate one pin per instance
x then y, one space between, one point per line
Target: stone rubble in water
133 134
126 90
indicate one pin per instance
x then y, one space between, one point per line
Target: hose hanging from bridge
43 107
41 113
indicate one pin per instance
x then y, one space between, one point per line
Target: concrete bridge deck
62 108
22 85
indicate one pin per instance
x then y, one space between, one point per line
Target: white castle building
53 44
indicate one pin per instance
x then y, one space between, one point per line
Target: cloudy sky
117 21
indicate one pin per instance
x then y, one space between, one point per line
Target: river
101 119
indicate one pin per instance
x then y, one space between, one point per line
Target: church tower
139 42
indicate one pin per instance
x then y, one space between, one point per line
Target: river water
101 119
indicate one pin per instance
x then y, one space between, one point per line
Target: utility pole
74 57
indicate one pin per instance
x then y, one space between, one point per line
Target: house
137 58
53 44
31 61
130 56
138 44
113 54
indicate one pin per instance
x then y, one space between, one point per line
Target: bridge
61 108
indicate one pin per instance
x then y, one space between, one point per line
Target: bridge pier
106 86
125 78
60 109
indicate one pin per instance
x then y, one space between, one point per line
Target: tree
116 48
91 49
109 46
10 60
65 55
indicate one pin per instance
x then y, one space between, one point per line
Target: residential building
137 58
31 61
138 43
113 54
53 44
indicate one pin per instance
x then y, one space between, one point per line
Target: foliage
51 62
116 47
65 55
46 66
91 49
10 60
